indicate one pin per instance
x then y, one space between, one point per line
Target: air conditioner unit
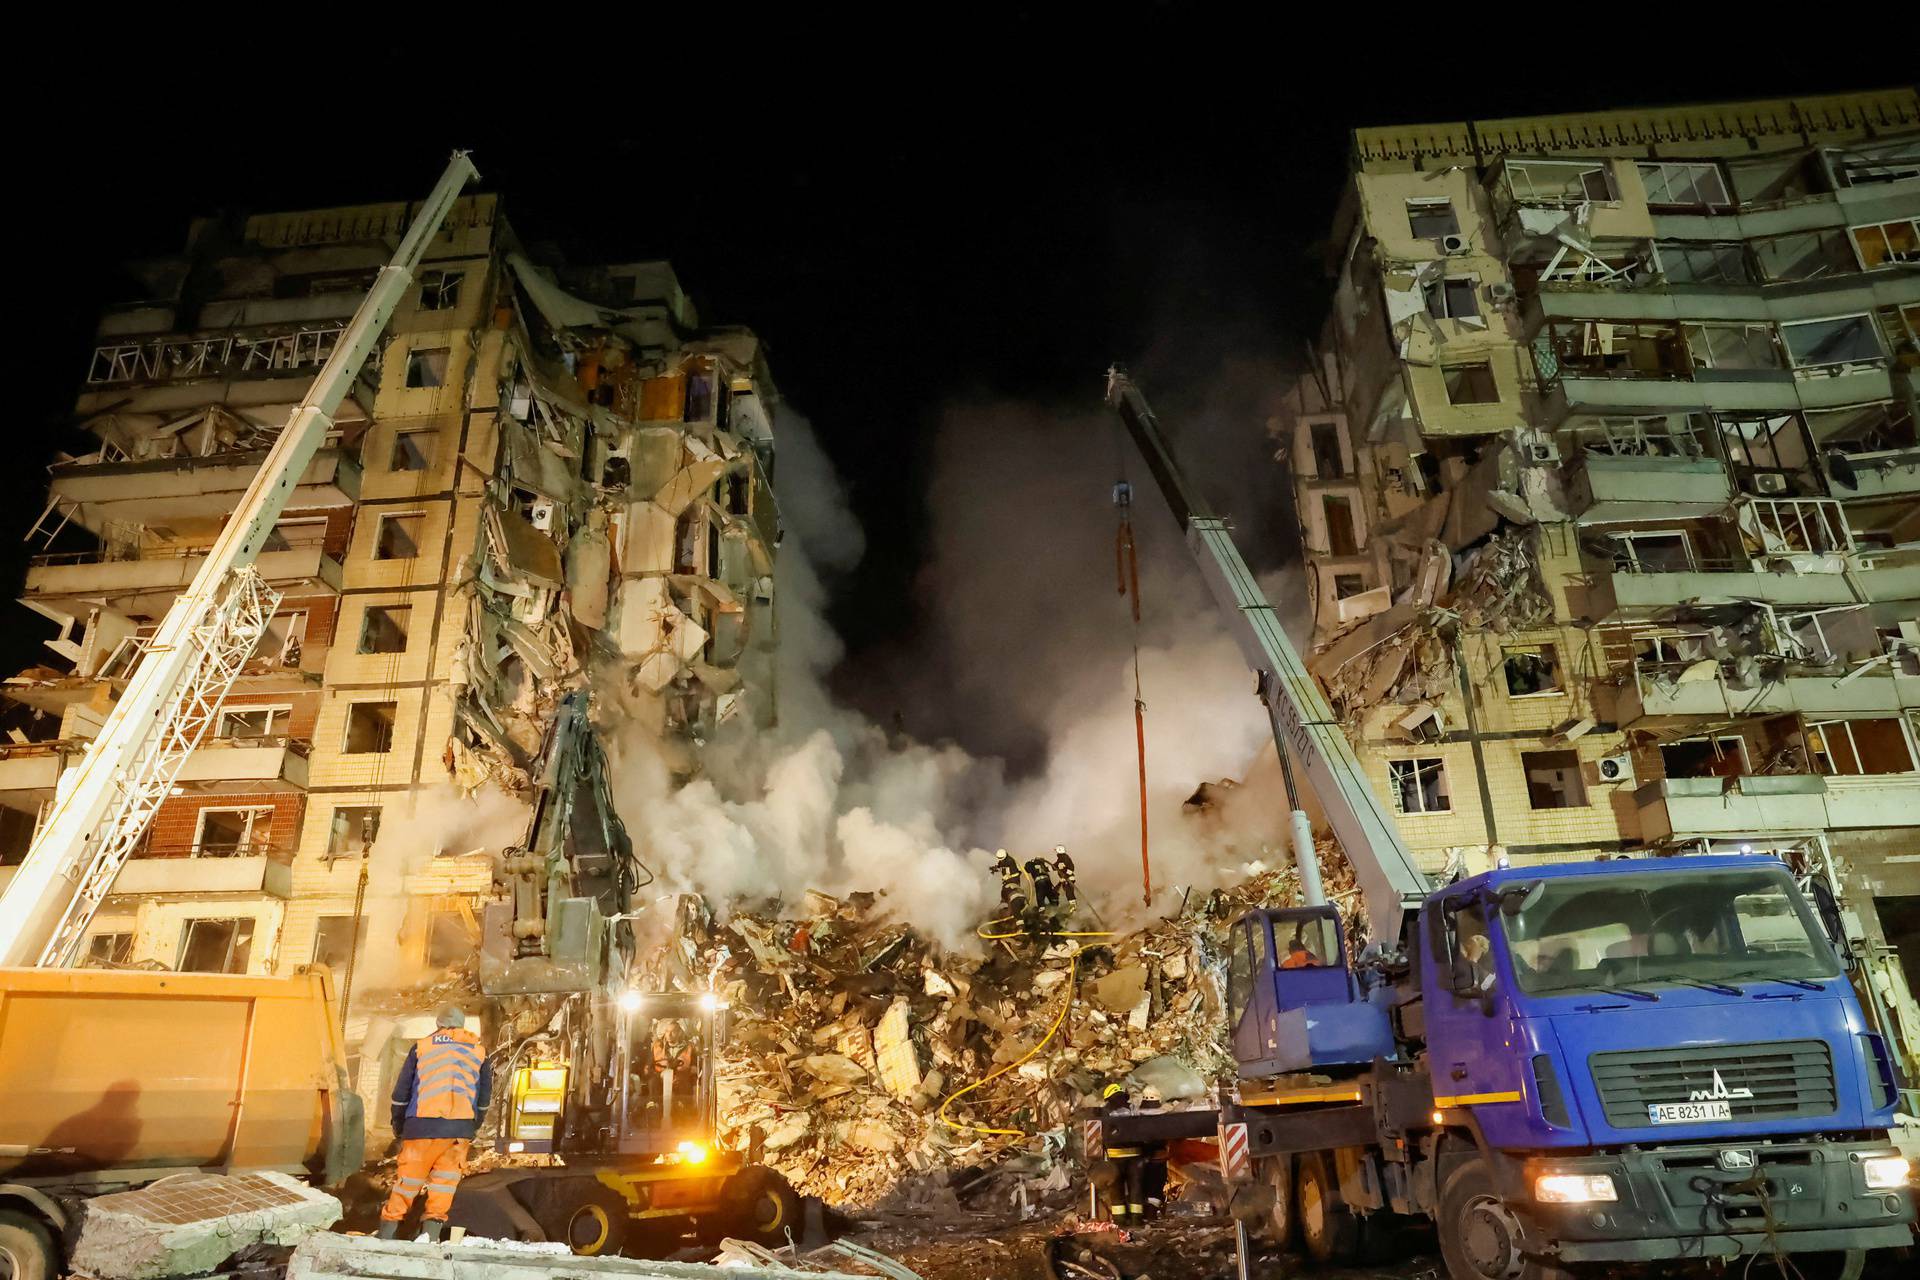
1543 451
1455 243
1616 768
1770 482
541 514
1501 292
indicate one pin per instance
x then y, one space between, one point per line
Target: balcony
29 770
1609 488
144 586
1888 473
1657 695
1775 804
159 490
229 765
267 872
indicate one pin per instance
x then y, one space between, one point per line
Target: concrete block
191 1223
335 1257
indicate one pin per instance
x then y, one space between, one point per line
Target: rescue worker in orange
442 1093
673 1051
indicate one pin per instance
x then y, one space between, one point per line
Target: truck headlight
1886 1173
1573 1188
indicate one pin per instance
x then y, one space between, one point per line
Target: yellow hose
1073 971
1021 933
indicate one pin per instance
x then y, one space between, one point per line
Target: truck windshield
1678 927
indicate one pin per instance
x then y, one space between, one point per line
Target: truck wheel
26 1247
1329 1229
1479 1236
761 1206
588 1217
1282 1221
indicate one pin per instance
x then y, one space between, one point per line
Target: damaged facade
542 473
1609 482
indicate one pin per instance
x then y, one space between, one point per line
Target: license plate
1689 1112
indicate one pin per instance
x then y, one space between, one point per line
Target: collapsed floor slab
336 1257
192 1223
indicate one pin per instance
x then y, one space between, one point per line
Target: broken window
1868 428
1559 182
280 643
1887 244
1652 551
1419 785
1769 455
1805 255
333 941
369 727
1716 757
1788 526
107 949
1732 346
1348 585
1868 166
216 946
427 366
398 536
1686 262
1337 511
1471 383
253 722
440 290
1553 779
1667 436
1596 348
1431 219
412 450
1842 340
1684 184
353 828
1329 462
383 628
1453 300
233 833
1531 670
1868 746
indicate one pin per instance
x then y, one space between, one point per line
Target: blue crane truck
1610 1062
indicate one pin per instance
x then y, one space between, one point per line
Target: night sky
901 237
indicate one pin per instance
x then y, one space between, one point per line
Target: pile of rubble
870 1067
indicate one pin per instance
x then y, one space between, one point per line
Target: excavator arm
1304 729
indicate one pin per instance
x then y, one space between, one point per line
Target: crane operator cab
1294 999
667 1044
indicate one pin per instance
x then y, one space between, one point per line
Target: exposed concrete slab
192 1223
336 1257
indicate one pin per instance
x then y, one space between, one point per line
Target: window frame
1548 649
418 361
250 840
404 627
1532 760
1866 321
238 923
1463 366
443 285
279 716
371 837
380 534
1396 787
392 727
1428 206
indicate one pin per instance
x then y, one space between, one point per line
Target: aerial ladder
102 808
1618 1061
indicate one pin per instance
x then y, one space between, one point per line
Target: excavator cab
1296 1002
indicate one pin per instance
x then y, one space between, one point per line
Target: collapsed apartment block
1608 479
543 474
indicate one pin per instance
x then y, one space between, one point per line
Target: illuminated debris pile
849 1032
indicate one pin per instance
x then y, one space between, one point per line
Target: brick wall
178 819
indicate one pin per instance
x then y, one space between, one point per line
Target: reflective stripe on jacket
444 1088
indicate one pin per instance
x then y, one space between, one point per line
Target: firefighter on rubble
1013 895
1041 874
438 1101
1063 873
1122 1176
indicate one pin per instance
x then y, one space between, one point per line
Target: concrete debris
849 1033
193 1223
338 1257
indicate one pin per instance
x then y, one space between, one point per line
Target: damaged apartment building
543 475
1608 478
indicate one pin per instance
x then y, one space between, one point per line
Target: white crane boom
1303 723
102 808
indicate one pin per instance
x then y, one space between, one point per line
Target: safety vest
448 1067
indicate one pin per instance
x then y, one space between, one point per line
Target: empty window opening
1688 263
399 536
333 942
1432 219
1553 779
1843 340
383 628
1661 551
1559 182
1769 455
1419 785
412 450
254 722
440 290
1337 509
281 643
1348 585
427 366
301 531
450 939
353 828
1860 747
1328 461
105 949
1426 466
369 727
1599 349
1685 185
740 494
1453 300
233 833
1805 255
1531 670
1471 383
1732 346
1721 757
216 946
1887 244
